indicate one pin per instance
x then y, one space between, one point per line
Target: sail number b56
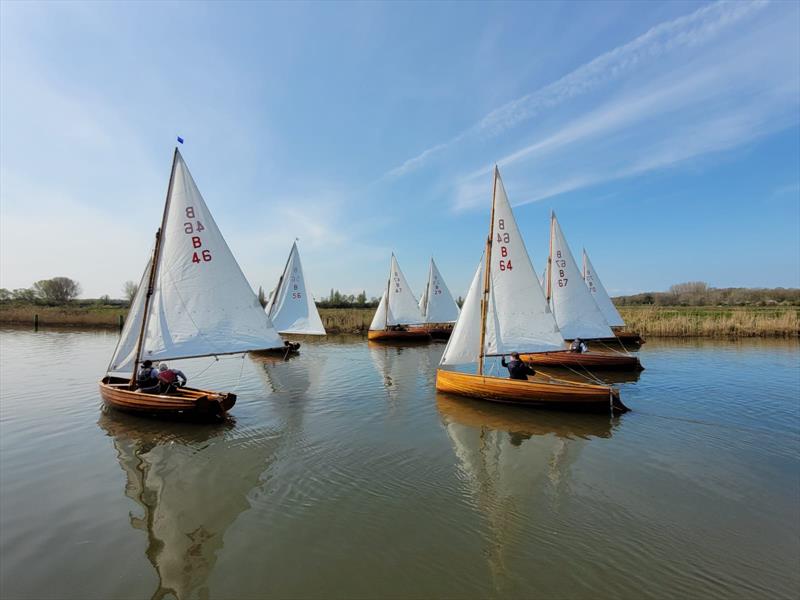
194 227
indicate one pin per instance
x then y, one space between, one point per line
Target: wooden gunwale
192 402
410 335
589 360
539 392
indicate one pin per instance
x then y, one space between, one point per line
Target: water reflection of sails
188 493
515 465
398 366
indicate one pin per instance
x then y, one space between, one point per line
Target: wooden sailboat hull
186 403
404 335
627 338
539 392
587 360
439 331
292 349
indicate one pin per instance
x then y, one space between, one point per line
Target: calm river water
346 475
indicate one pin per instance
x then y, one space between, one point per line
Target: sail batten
576 311
439 305
292 308
600 294
202 304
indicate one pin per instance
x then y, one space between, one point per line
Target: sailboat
505 311
291 307
603 300
576 312
398 317
439 309
193 300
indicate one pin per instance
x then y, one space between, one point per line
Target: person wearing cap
147 380
169 380
516 368
578 346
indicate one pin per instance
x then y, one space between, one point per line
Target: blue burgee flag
180 139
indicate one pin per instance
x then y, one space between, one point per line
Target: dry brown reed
79 316
650 321
346 320
712 322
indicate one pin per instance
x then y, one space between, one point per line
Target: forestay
464 344
576 311
125 353
522 320
202 304
292 308
437 304
600 294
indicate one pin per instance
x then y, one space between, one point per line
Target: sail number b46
195 227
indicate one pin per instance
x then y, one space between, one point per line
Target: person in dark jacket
147 379
578 346
516 368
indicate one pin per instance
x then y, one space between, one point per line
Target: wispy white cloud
695 29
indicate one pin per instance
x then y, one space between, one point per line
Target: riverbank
336 320
650 321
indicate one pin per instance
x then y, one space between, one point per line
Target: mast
280 281
153 270
486 274
388 292
550 257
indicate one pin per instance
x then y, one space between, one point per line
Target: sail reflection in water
513 464
191 484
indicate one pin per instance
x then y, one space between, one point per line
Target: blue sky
666 136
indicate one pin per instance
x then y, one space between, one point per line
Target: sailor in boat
147 380
169 380
578 346
516 368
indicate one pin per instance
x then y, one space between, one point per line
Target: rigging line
241 370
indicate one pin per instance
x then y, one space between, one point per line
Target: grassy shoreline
650 321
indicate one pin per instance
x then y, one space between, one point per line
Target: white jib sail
600 294
202 304
576 311
292 308
523 319
440 307
379 320
463 347
122 362
400 308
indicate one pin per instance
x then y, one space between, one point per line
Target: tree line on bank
63 290
699 293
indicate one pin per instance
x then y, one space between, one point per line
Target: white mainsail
202 304
576 311
523 318
439 305
464 344
600 294
398 305
292 308
518 318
